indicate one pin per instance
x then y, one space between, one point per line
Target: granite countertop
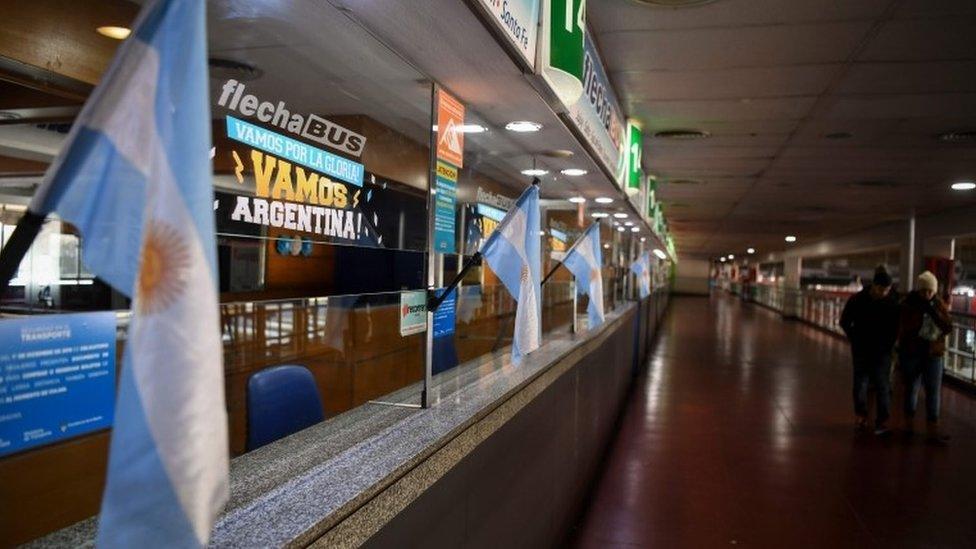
292 490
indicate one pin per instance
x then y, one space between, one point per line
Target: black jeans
874 369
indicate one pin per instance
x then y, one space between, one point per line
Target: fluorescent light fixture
790 238
660 254
629 223
599 215
620 229
620 215
535 171
963 186
118 33
523 126
635 229
604 200
750 251
573 172
578 200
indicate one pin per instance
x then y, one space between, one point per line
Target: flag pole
15 250
433 300
565 255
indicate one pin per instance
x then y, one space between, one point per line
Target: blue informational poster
445 315
445 200
57 378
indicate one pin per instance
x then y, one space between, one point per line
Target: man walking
923 326
870 320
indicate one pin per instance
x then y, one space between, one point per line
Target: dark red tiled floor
741 434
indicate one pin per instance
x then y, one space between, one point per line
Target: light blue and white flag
514 252
642 269
585 261
134 176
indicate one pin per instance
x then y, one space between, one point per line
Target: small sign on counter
57 378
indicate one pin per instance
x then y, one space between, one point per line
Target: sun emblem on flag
524 273
162 268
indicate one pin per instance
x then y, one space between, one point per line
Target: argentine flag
642 269
134 176
514 253
585 260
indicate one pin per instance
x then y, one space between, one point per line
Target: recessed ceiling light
606 246
573 172
643 239
118 33
620 215
604 200
620 229
629 223
535 171
963 186
542 233
750 251
722 259
635 229
731 256
790 238
660 254
599 215
578 200
523 126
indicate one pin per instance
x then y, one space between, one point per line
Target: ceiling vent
225 69
674 3
682 135
961 136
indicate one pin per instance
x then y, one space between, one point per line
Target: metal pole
15 250
575 301
431 265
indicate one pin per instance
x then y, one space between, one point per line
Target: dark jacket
870 324
913 311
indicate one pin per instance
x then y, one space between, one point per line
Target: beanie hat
927 281
881 277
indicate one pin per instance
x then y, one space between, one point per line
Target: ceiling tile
720 48
752 82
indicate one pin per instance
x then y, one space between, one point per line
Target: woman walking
923 326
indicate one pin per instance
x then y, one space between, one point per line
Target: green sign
634 151
562 52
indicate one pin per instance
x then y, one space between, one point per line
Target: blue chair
281 400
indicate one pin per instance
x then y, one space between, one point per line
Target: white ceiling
768 79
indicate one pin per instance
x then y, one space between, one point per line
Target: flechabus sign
309 126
